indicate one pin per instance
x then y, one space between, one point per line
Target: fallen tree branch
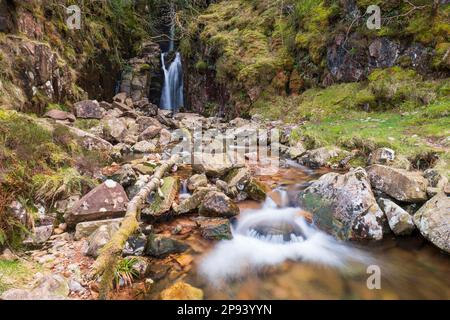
106 262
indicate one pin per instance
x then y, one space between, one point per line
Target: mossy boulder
256 190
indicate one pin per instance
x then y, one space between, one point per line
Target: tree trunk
106 262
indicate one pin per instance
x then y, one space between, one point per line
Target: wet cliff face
44 62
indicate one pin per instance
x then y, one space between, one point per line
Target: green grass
14 274
425 130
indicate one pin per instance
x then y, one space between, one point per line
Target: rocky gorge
223 178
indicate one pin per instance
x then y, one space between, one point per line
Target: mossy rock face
256 190
160 206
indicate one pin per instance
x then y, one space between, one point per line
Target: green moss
201 66
15 274
86 124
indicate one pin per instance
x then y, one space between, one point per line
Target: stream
276 253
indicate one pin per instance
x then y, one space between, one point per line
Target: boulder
345 205
39 235
400 184
88 109
381 156
60 115
107 200
164 137
296 150
433 221
120 97
435 178
160 246
135 245
400 221
100 237
319 157
125 176
256 190
217 204
217 165
196 181
85 229
215 228
161 205
121 106
237 180
193 202
143 147
150 133
182 291
114 129
145 122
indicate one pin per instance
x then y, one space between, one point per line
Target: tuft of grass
125 272
15 274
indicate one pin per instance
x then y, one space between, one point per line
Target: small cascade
271 235
184 192
172 92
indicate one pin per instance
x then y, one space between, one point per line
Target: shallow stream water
277 254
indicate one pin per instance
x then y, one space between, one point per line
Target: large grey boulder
345 205
216 165
400 184
106 201
433 221
400 221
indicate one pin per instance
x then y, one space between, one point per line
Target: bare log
106 262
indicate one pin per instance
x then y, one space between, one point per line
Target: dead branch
106 262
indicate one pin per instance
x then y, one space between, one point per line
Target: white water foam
249 251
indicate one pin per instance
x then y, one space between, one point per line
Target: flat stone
89 109
215 228
106 201
60 115
85 229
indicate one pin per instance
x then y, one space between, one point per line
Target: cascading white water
270 236
172 92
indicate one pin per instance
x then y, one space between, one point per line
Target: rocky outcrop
143 77
433 221
398 183
345 205
108 200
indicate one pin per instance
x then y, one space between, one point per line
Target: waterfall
172 93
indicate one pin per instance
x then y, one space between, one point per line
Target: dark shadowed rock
107 200
398 183
160 246
345 205
125 176
89 109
